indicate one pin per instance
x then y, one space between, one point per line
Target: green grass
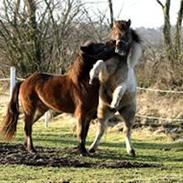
150 148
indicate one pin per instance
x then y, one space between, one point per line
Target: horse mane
76 69
135 51
135 36
84 62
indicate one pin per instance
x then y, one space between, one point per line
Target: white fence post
12 79
46 118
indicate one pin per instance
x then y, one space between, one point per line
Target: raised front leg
128 113
117 95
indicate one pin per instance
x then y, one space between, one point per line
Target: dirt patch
16 154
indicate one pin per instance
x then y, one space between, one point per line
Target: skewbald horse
117 82
70 93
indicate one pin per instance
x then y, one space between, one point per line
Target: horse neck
134 54
78 71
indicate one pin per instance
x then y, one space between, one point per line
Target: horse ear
84 49
86 46
129 23
115 24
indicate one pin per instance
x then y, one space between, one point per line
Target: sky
143 13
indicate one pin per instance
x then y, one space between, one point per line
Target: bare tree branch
160 3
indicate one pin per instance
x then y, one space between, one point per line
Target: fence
13 80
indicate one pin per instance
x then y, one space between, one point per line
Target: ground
159 159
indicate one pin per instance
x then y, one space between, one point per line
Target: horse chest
119 76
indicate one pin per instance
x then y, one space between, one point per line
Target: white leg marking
117 95
94 72
99 134
127 133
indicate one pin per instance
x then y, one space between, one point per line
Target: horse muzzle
120 52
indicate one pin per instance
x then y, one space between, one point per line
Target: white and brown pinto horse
117 82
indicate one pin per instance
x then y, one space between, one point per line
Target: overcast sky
146 13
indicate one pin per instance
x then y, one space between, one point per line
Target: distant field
57 141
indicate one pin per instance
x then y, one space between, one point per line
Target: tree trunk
31 7
167 29
167 26
179 30
111 13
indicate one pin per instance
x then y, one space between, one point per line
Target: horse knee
94 72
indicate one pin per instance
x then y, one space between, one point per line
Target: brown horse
117 82
70 93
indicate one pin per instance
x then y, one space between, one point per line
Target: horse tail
10 121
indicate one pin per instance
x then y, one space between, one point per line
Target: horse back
53 91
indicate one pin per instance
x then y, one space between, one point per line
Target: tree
35 35
172 47
173 42
167 27
111 13
178 35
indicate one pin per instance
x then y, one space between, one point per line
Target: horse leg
81 131
128 114
87 124
28 133
103 114
32 114
117 95
40 110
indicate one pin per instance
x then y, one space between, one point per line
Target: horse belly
58 102
128 98
56 95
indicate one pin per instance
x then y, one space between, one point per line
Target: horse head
97 51
121 33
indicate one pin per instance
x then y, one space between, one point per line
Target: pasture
44 37
158 158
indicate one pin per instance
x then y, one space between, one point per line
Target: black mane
135 36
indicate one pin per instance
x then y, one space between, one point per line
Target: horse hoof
84 154
32 151
83 151
92 150
76 148
132 153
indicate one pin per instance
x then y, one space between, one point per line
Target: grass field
151 148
